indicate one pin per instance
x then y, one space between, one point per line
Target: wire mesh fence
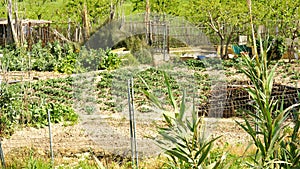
238 100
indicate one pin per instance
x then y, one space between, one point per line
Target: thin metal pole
1 151
134 124
256 125
194 108
2 156
130 124
50 139
164 40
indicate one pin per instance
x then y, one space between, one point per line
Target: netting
238 100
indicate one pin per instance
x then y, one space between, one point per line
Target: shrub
129 60
109 60
99 59
139 49
144 56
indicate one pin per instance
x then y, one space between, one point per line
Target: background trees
223 20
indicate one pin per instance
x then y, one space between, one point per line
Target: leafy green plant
268 136
51 57
183 139
291 145
17 109
295 76
109 60
196 64
99 59
275 47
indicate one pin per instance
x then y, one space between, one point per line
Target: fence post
50 139
132 124
1 151
2 156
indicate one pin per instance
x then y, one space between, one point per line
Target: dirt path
108 134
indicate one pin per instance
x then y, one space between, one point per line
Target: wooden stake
252 27
147 22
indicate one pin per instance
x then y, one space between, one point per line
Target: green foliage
30 159
129 60
14 59
144 56
28 104
290 146
159 6
231 62
33 163
196 64
109 61
139 49
275 47
183 139
99 59
52 57
112 84
268 138
61 11
58 57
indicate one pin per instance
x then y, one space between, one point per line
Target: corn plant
183 140
268 136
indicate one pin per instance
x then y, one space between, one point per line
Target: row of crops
112 88
27 104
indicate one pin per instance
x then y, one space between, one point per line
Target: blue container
201 57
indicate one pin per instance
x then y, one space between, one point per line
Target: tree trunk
227 44
86 31
12 36
112 11
221 48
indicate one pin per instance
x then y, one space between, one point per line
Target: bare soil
18 76
109 135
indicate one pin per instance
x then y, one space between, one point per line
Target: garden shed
27 30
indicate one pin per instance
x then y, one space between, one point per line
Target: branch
212 25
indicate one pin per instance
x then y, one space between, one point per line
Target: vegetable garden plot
27 103
111 121
112 87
